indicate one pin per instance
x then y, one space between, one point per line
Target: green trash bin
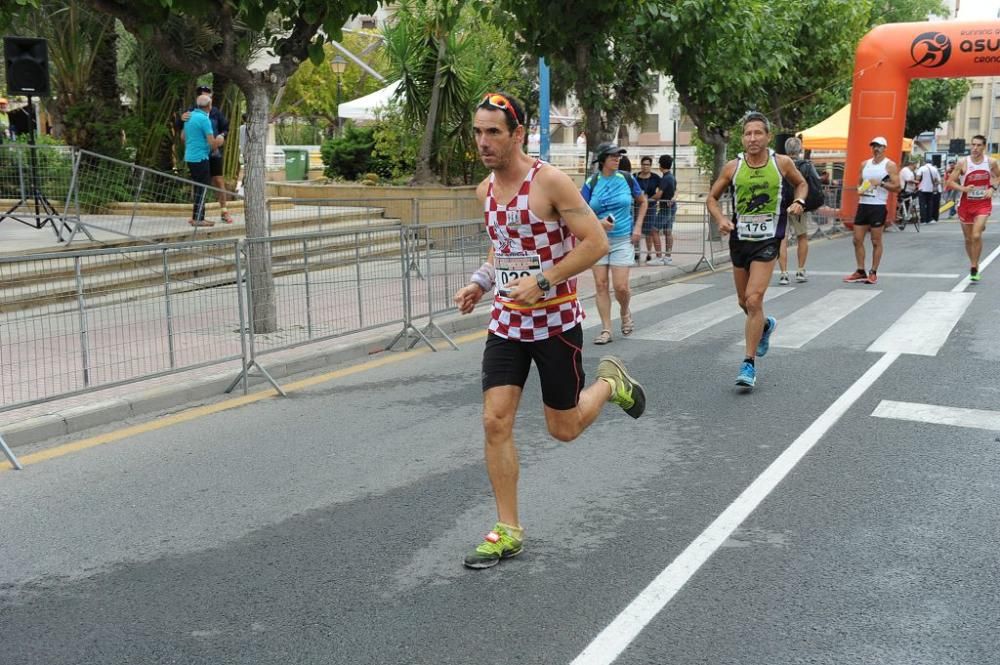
296 164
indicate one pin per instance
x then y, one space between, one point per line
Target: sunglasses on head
496 101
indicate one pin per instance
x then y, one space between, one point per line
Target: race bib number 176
756 227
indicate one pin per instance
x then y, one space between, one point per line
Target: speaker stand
45 213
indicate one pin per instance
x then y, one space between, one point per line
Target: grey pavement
329 527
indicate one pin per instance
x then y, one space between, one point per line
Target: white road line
682 326
905 275
646 300
982 266
801 327
924 328
611 641
938 415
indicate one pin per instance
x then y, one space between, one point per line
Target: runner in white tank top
543 235
878 177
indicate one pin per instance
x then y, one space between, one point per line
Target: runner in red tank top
976 176
543 236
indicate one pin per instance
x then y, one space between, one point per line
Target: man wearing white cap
879 176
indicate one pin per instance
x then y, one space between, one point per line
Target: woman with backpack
610 193
799 224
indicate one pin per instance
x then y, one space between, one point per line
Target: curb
76 419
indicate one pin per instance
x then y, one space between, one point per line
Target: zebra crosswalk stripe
924 328
802 326
684 325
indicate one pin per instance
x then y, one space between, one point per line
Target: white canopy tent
363 108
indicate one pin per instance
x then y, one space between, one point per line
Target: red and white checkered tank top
516 231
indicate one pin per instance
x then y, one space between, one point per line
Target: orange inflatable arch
887 59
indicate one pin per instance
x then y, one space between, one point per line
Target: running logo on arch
930 49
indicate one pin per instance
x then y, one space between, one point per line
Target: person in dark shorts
760 180
220 127
878 176
649 182
666 206
543 234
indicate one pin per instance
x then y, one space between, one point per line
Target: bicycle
906 212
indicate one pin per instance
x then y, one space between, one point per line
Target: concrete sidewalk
41 422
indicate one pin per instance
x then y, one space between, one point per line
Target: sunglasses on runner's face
493 100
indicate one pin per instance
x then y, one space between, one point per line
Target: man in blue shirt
611 193
199 142
220 127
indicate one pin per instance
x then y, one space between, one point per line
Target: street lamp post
338 65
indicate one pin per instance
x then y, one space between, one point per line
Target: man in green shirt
762 183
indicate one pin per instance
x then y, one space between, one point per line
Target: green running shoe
498 545
628 393
975 278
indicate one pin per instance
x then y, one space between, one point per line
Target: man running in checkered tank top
543 235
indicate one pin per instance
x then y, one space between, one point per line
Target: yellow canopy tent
831 134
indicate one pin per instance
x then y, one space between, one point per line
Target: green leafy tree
84 108
930 103
422 46
610 51
826 99
820 55
293 30
477 57
312 90
156 93
905 11
12 10
720 55
348 155
396 145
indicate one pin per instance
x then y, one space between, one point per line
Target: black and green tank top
759 195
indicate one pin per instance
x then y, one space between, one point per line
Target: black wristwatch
543 283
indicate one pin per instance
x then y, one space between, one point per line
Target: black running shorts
743 252
215 165
559 359
870 215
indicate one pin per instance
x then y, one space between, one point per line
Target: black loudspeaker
956 146
779 142
27 62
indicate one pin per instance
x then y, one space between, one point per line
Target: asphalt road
784 525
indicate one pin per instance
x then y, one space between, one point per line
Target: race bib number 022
515 266
756 227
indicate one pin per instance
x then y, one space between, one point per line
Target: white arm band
484 277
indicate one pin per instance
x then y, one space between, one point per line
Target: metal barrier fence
77 191
442 258
326 285
715 243
687 236
293 216
74 322
319 214
77 321
827 218
35 185
128 200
